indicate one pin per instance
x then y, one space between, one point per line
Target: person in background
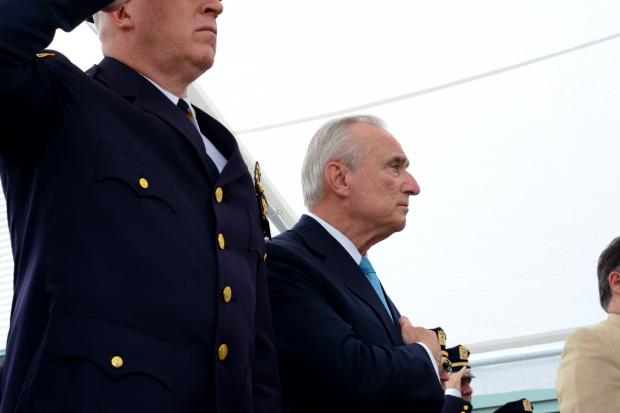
588 377
459 359
342 343
140 282
451 380
518 406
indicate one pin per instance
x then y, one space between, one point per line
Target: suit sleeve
266 376
587 379
37 86
316 346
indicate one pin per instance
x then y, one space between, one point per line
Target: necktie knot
184 107
366 267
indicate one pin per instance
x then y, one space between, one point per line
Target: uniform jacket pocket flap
116 349
143 179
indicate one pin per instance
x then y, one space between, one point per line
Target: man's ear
336 178
121 17
614 281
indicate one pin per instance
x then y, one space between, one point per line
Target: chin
204 59
205 63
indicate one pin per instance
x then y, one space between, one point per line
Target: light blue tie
370 273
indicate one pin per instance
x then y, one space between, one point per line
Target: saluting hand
454 382
412 335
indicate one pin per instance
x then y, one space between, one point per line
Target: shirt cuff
430 356
453 392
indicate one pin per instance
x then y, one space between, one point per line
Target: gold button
144 184
219 194
220 241
264 257
227 294
222 352
117 362
466 407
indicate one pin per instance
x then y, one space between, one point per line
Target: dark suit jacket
339 350
112 266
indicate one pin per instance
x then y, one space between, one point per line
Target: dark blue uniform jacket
119 279
339 350
453 404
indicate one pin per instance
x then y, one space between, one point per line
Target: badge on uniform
44 54
263 207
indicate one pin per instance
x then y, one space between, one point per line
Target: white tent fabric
518 169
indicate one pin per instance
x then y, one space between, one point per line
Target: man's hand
413 335
454 382
115 5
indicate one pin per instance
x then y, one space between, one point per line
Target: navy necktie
371 275
182 104
184 107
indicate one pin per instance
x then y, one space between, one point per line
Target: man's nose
411 186
213 6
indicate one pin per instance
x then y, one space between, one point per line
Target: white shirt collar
215 155
346 243
171 96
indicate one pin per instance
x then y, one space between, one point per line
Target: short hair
608 262
332 142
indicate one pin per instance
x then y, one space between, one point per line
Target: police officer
518 406
459 359
139 252
452 379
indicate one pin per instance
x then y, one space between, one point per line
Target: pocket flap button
117 362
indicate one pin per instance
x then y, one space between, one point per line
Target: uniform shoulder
49 54
53 58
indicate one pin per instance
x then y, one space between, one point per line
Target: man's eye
396 167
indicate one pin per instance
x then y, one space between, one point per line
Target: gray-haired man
342 344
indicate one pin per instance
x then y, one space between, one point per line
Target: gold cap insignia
442 337
463 353
527 406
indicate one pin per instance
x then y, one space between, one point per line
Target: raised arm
45 84
28 26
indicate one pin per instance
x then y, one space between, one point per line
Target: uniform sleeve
583 379
266 375
453 404
316 343
43 86
28 26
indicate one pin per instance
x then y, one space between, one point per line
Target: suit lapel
342 266
225 142
136 89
